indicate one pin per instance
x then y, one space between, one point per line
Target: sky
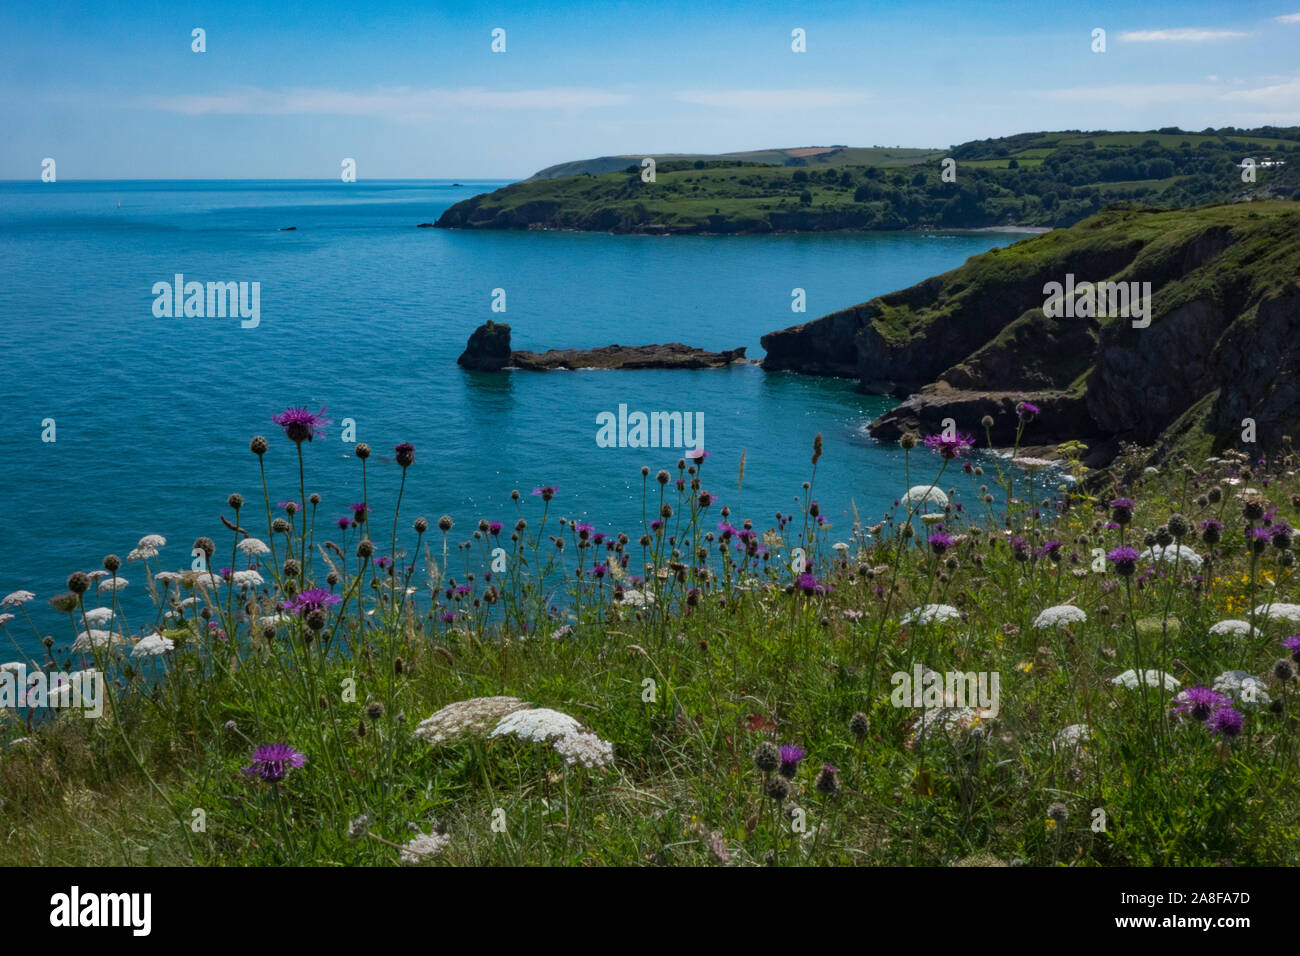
415 90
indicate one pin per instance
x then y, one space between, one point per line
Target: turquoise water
364 314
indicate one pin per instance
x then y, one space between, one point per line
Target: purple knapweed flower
344 523
301 425
494 528
1200 702
313 599
272 762
790 757
1027 411
1125 560
940 542
1292 644
1121 510
949 446
547 492
808 584
1225 722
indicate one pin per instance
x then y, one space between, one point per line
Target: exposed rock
1062 416
672 355
489 350
1219 344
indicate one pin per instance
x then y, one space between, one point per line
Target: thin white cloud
1279 96
772 99
1288 18
1280 100
1179 35
1132 94
399 102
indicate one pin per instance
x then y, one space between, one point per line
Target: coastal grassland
688 646
1032 179
814 157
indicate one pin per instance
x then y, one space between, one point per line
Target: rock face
1219 344
488 350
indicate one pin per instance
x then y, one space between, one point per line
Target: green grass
733 651
1059 179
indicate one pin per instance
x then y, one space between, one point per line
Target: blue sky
414 91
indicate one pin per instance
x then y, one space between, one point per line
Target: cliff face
1220 345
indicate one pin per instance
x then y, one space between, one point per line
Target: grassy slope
981 327
834 157
740 667
1061 178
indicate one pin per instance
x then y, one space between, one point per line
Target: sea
117 421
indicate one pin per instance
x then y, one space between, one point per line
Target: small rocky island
488 350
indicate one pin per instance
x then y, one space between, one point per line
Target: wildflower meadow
1017 663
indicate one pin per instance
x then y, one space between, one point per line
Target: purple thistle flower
1125 560
1225 722
949 446
494 528
405 453
314 599
940 542
272 762
697 454
1200 702
1122 510
790 757
1027 411
344 523
359 512
809 584
448 617
546 491
1292 644
301 425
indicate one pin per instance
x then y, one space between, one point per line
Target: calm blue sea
365 314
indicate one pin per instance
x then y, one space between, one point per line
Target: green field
1031 179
